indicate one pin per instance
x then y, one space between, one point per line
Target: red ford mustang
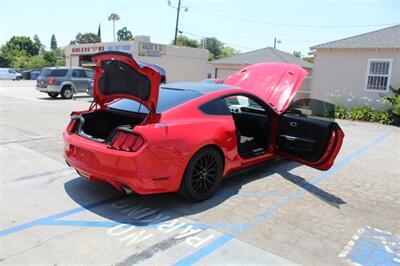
184 137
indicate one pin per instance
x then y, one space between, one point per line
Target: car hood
117 75
275 83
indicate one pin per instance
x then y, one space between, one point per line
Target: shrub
381 117
360 113
395 102
340 112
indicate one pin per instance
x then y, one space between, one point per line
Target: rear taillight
126 141
51 81
71 126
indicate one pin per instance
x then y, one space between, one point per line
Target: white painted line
351 243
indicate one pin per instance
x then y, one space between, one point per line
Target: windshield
167 99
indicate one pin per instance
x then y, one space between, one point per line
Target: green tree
113 17
17 44
85 38
53 42
19 60
50 58
4 62
60 56
36 62
124 35
309 59
297 54
99 32
228 51
38 43
183 40
213 45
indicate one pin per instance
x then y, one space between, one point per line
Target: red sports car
185 137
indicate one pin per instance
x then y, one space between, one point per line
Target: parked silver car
64 81
8 73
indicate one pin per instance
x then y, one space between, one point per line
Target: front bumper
49 89
141 171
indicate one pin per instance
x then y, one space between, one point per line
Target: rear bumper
142 171
49 89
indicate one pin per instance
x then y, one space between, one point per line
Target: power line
249 37
288 25
231 44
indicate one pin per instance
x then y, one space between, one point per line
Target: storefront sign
101 48
152 49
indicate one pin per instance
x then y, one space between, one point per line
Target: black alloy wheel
203 175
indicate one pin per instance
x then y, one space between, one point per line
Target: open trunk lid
117 76
275 83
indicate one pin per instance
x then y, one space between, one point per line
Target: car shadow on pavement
86 192
62 99
313 190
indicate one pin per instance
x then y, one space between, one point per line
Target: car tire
202 176
18 78
53 94
66 92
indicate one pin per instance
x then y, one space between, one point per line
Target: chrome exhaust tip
126 190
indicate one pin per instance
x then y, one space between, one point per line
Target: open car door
308 134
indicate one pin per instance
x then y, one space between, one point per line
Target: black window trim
266 107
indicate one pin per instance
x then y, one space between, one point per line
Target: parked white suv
8 73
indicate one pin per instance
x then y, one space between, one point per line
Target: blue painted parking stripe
206 250
39 221
50 220
219 242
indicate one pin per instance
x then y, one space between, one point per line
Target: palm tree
113 17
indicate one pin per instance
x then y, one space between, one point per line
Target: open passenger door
306 138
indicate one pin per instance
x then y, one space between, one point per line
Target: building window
378 74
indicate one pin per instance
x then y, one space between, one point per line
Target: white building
180 63
358 70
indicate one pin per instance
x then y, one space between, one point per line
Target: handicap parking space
279 213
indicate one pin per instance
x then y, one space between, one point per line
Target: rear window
58 72
45 72
167 99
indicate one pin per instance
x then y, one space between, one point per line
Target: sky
244 25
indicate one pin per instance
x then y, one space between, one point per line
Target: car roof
61 67
203 88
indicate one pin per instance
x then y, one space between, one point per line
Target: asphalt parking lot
280 213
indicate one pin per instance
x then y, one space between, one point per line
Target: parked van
8 73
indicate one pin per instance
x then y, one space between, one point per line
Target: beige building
180 63
356 71
224 67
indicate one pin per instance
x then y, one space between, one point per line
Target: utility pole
178 10
177 21
276 41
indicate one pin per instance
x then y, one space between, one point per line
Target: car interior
252 125
305 129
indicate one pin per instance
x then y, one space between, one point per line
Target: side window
215 107
58 72
242 101
11 71
89 73
313 108
79 73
